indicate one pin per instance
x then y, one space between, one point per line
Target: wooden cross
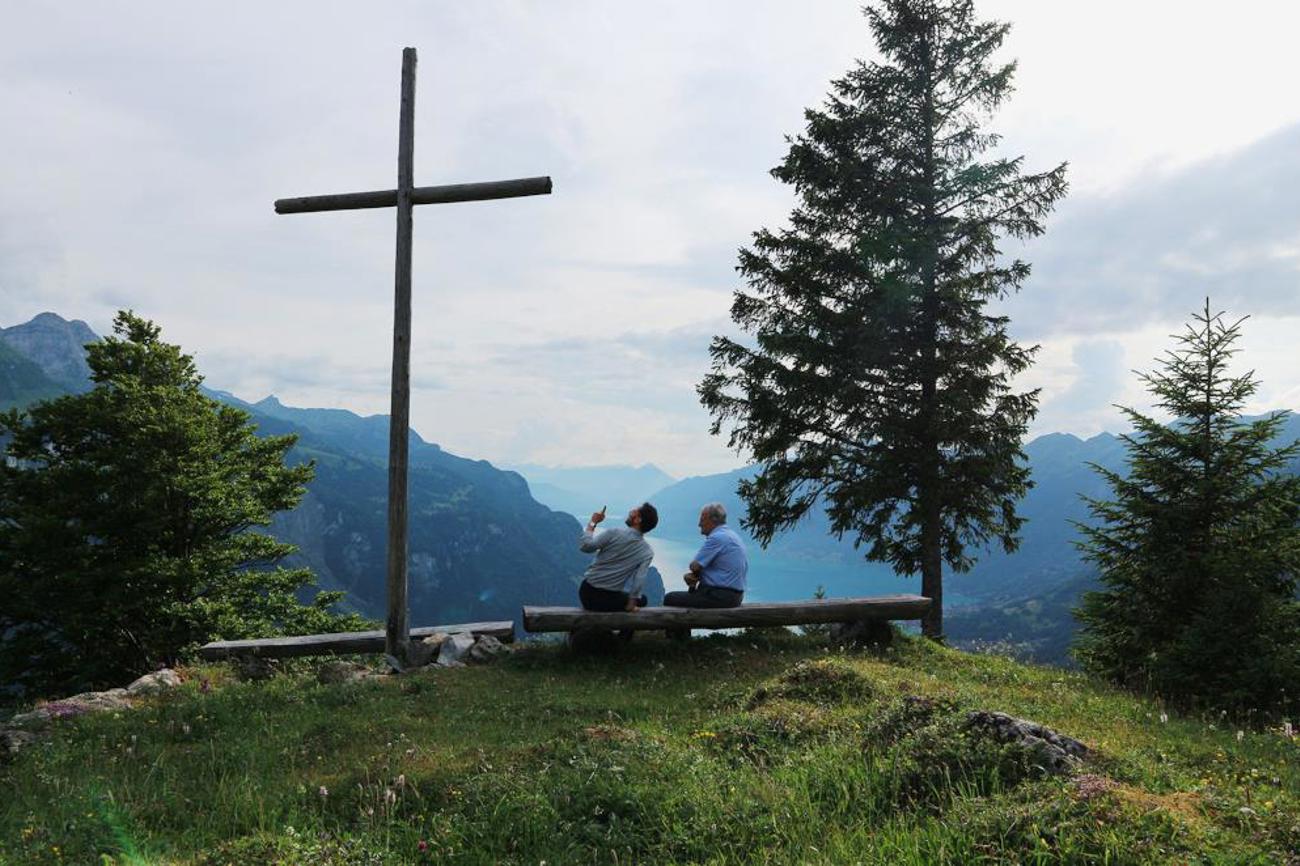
404 198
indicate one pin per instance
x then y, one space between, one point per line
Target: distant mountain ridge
1023 599
56 346
581 490
480 545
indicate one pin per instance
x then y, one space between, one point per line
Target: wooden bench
342 643
825 610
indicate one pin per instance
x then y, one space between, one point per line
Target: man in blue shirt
717 576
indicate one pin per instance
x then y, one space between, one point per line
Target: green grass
751 748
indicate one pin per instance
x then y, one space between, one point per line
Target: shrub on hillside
825 681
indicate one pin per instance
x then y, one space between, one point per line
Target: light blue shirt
723 560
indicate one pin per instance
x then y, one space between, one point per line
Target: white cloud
145 142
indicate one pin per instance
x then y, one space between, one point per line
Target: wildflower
185 729
1164 718
401 780
323 792
1241 735
390 796
1287 730
423 846
205 685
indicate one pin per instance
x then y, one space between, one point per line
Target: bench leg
678 634
597 641
863 633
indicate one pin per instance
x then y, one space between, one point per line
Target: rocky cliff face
22 381
55 345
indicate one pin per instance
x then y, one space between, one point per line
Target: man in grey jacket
614 581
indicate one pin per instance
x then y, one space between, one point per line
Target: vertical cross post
404 198
398 632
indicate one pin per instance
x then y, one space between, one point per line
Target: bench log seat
341 643
824 610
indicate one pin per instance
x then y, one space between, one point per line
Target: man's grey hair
716 511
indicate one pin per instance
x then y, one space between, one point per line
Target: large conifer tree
1199 547
877 382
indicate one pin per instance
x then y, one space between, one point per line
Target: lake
777 578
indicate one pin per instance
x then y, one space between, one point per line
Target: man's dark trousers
705 596
605 600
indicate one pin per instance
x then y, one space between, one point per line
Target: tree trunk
928 494
931 569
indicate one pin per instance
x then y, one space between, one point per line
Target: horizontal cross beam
448 194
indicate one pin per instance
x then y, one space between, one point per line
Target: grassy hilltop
760 747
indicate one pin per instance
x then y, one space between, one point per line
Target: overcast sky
143 143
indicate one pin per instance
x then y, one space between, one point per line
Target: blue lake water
777 578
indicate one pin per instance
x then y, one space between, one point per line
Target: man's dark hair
649 517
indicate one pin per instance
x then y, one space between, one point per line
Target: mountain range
1021 601
484 541
43 358
480 545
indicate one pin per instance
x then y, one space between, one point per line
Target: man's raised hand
598 516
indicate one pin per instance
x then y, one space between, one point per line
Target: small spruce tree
1199 548
129 515
877 381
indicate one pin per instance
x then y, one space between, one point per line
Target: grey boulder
77 705
155 683
335 672
453 650
485 649
423 652
1054 752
